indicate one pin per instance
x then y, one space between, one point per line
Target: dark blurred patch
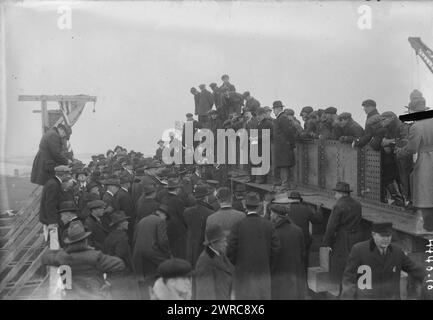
416 116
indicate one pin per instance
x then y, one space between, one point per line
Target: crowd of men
132 227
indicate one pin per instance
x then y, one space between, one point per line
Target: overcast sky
141 58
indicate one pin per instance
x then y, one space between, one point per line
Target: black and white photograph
228 152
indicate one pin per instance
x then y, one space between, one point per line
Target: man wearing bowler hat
252 246
283 134
214 271
343 230
373 270
87 265
195 220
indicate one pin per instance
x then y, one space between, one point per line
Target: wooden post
44 115
53 293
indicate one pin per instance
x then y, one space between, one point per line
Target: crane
423 51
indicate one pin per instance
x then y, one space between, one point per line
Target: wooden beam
55 98
44 115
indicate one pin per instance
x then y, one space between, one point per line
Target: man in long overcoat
252 245
420 142
288 272
205 103
284 135
343 229
214 271
50 155
195 219
176 228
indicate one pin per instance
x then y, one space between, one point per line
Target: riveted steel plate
312 169
372 174
330 164
348 166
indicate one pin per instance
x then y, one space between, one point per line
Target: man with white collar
283 134
252 245
50 198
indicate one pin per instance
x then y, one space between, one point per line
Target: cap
369 103
279 209
307 109
290 112
175 268
202 86
67 206
252 199
388 114
62 168
383 228
246 94
96 204
267 108
331 110
277 104
345 115
117 217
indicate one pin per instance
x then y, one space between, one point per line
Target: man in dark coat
226 85
251 103
151 246
87 265
218 101
195 220
205 103
232 102
68 213
349 128
50 198
125 201
370 109
50 155
343 230
196 95
214 271
124 284
146 204
252 246
284 141
109 196
96 224
158 152
176 227
238 200
288 270
373 270
264 123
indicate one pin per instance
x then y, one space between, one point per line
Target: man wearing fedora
176 227
50 198
87 265
420 142
146 204
158 152
283 134
252 246
150 245
374 267
238 202
288 270
124 284
195 220
96 224
214 271
68 213
302 216
343 230
109 196
174 281
226 216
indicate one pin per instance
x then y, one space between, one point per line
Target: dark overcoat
50 200
351 131
288 272
195 220
385 272
205 102
87 268
252 245
284 134
99 232
145 206
302 215
176 228
214 276
48 157
151 246
342 232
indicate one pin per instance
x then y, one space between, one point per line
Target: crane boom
423 51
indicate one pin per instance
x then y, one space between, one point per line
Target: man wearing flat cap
374 267
50 154
371 111
328 127
251 103
349 128
284 134
174 281
196 95
252 246
288 271
96 223
51 197
420 142
214 271
205 103
87 265
343 230
150 246
195 220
